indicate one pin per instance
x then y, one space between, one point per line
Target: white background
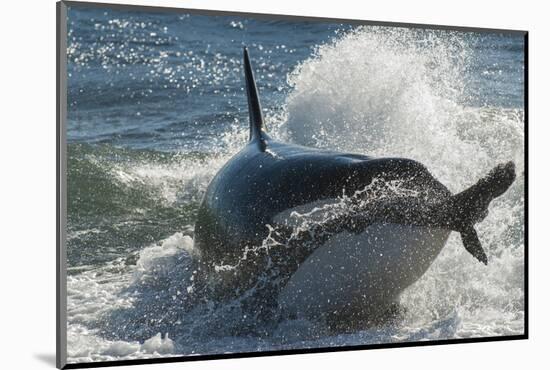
27 204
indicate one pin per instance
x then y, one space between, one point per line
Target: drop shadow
46 358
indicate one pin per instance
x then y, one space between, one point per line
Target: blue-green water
156 105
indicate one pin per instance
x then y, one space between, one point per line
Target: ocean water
156 106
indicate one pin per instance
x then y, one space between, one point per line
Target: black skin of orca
268 177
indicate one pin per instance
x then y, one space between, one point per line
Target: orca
356 261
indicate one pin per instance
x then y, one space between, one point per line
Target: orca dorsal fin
254 108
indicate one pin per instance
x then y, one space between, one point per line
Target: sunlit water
156 106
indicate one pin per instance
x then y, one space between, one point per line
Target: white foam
160 259
87 346
159 345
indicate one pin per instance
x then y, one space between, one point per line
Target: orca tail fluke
254 107
471 242
471 205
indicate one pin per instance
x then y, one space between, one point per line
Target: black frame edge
526 181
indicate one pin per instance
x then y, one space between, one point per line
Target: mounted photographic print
235 184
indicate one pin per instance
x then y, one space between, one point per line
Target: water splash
388 91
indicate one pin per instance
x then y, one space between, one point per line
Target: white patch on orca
364 270
370 268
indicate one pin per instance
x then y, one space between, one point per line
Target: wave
121 200
106 180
